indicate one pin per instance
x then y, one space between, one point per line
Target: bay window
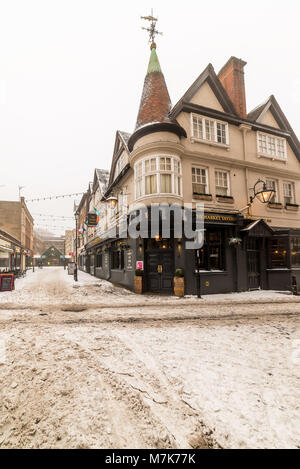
158 175
138 179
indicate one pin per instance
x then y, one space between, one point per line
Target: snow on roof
125 136
103 178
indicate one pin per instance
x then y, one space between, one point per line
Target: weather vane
152 29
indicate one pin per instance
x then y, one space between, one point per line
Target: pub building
245 168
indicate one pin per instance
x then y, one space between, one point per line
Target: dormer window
270 146
209 130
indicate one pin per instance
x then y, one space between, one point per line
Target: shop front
284 260
237 255
10 253
6 255
213 267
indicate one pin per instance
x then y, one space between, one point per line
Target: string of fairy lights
53 222
57 222
54 197
52 216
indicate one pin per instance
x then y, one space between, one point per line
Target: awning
259 229
5 249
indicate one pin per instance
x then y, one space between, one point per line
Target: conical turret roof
155 105
155 101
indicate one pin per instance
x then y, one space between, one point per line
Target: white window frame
276 198
267 153
213 141
218 170
206 176
293 201
157 172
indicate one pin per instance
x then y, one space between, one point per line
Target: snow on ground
146 372
54 284
240 376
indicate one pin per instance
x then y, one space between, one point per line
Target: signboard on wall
140 265
129 259
106 260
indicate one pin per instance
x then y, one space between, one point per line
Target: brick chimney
232 78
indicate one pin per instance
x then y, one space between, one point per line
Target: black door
253 261
160 271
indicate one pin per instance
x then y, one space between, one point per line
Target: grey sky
71 74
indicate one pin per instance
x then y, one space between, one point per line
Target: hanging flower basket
235 241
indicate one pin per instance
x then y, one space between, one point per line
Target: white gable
206 97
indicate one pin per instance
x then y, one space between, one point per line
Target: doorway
253 263
160 271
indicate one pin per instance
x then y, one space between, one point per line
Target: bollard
75 274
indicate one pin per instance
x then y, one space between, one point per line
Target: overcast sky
71 74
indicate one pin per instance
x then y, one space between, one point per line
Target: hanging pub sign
7 282
92 219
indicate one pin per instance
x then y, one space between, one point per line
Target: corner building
206 148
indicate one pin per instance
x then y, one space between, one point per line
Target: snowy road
96 366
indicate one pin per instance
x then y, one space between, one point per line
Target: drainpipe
244 128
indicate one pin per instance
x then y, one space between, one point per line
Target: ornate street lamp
263 193
112 201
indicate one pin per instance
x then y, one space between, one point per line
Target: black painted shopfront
237 255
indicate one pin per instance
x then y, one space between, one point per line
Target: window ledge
279 269
277 206
272 158
207 197
163 195
292 208
213 272
208 142
225 200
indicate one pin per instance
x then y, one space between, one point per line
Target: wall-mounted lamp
262 192
112 201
